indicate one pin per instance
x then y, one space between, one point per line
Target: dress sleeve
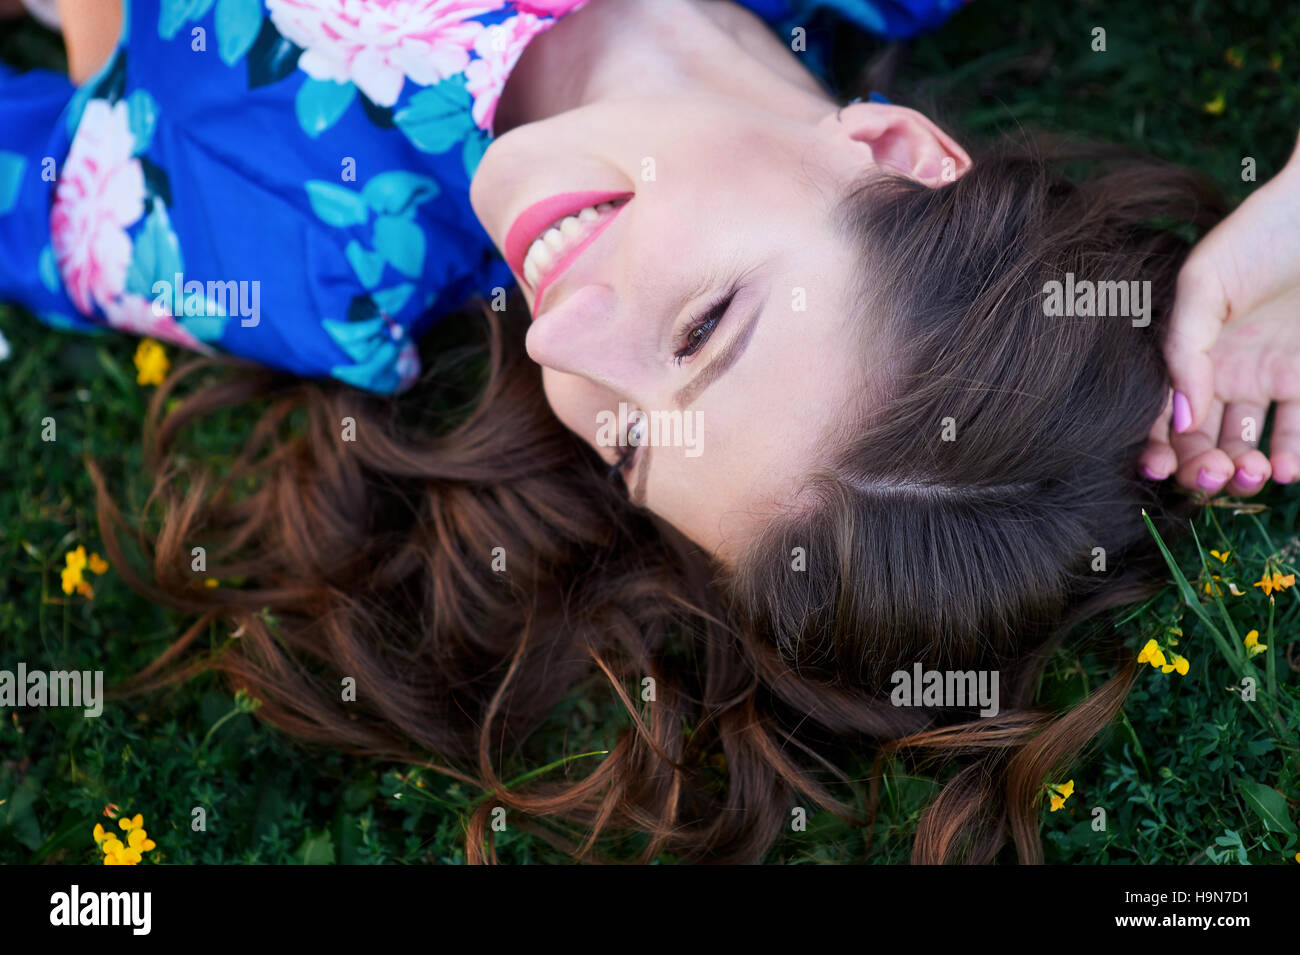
890 19
32 143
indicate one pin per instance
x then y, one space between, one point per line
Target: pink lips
539 216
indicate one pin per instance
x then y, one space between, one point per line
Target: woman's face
728 205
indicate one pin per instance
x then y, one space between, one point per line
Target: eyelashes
696 335
625 458
702 327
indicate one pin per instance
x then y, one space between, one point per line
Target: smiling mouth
561 242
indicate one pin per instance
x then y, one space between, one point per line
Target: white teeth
548 248
540 256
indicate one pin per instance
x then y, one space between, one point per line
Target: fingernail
1245 477
1182 412
1151 475
1208 481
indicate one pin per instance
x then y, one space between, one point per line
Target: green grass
1191 773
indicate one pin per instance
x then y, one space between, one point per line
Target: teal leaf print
174 14
392 300
320 103
335 205
238 23
374 355
397 192
206 328
12 166
358 339
368 265
436 117
49 270
157 254
378 373
271 58
142 115
401 242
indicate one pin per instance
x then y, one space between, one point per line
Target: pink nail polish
1245 477
1182 412
1207 481
1151 475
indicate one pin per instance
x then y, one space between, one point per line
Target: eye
701 328
635 438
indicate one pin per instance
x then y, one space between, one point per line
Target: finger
1199 312
1202 464
1284 444
1158 460
1239 439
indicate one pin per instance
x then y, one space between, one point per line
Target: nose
584 334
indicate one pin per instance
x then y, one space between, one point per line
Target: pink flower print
100 193
379 44
138 315
499 48
549 8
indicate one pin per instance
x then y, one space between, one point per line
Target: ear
903 139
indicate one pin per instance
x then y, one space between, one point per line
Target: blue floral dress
286 180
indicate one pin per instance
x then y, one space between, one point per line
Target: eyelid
720 305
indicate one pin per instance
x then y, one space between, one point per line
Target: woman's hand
1233 348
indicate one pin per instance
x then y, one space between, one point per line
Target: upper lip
541 215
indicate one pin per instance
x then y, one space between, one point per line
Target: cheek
574 401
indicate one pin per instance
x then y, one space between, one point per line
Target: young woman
901 456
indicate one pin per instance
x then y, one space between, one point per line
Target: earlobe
904 139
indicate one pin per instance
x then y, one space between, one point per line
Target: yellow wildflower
1215 106
75 563
1222 557
1061 793
151 363
1253 645
131 852
1275 581
97 564
1152 654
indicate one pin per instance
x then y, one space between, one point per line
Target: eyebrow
727 357
710 373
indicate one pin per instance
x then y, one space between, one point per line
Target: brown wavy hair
374 556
